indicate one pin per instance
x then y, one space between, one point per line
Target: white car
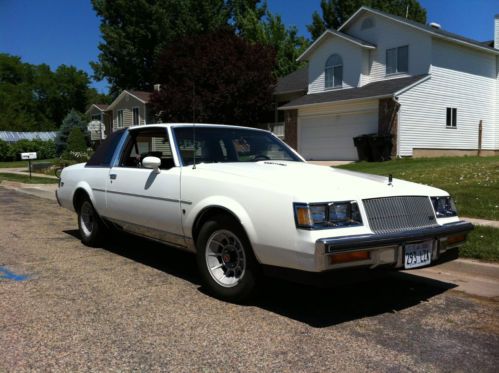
243 201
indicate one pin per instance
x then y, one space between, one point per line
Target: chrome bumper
386 248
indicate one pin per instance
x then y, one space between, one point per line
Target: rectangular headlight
444 207
327 215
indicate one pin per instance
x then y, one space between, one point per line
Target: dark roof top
376 89
295 82
143 95
102 107
428 28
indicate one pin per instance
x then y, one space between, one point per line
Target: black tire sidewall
95 236
246 285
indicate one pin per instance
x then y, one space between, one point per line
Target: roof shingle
376 89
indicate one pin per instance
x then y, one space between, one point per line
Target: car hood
312 183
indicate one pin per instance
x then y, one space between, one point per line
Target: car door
140 199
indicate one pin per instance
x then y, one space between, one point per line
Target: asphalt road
138 305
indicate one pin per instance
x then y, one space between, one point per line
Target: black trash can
363 147
381 147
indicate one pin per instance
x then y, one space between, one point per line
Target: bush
77 147
72 120
12 151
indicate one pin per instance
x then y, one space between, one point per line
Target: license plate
418 254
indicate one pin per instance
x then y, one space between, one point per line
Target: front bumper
387 249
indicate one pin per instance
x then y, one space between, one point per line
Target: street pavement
137 305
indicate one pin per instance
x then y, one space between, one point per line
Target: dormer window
367 23
334 71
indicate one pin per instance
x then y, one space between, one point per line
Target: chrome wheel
87 218
225 258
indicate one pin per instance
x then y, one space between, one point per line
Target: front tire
90 224
225 260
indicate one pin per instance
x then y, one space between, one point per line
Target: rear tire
228 267
90 224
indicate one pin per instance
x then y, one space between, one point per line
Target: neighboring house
130 108
100 113
380 73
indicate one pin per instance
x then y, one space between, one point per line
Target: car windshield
218 144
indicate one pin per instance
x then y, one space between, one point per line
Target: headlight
444 207
327 215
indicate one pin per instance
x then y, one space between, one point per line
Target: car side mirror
152 162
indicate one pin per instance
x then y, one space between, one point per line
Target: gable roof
297 81
100 107
142 96
439 33
383 88
329 32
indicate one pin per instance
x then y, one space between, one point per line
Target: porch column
291 128
388 121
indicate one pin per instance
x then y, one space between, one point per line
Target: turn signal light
349 257
454 239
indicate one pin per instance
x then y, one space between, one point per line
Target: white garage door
330 137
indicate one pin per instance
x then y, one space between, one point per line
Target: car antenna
194 125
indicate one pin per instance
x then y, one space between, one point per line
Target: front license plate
418 254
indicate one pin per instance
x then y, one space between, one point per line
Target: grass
18 164
472 181
26 179
483 243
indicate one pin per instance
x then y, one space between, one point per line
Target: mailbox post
29 156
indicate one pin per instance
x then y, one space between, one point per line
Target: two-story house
436 92
130 108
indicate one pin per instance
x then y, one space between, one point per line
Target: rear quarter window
104 153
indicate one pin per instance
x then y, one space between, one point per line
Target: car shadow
383 292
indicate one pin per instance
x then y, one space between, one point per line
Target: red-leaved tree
230 79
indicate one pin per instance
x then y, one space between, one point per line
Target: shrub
77 147
72 120
4 150
12 151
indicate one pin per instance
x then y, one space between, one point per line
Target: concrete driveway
138 305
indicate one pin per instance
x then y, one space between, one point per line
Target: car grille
395 214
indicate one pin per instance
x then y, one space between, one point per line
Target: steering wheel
260 157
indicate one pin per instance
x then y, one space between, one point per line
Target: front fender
226 203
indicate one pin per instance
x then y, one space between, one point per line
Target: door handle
113 176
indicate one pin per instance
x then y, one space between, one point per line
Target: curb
472 268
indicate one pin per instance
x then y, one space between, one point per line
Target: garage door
330 137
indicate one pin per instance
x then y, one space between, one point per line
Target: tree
336 12
135 32
76 141
257 24
72 120
35 98
231 77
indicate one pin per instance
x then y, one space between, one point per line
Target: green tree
76 141
336 12
134 33
35 98
256 23
72 120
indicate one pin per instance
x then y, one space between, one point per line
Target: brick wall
291 128
387 120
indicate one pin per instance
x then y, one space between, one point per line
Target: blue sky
67 31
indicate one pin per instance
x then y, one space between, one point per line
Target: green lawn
17 164
472 181
26 179
483 243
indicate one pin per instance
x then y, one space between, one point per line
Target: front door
141 200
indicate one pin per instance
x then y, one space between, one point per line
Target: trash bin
362 145
381 147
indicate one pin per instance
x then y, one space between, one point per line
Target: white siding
351 54
388 34
460 78
127 103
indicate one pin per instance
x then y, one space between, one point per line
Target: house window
367 23
135 112
120 118
451 117
96 117
334 72
397 60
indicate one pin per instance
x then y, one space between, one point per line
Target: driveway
138 305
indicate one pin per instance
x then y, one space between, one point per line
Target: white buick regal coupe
245 203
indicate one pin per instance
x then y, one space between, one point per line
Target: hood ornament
390 179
